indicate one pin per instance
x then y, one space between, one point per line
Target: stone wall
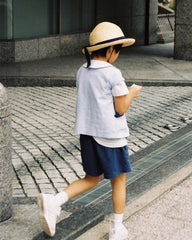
137 18
39 48
183 30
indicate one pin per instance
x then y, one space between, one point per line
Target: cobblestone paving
46 152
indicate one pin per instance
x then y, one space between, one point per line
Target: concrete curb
65 81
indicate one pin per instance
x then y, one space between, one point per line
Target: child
102 100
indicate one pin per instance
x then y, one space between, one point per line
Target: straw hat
107 34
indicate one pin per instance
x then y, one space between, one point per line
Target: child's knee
92 180
119 179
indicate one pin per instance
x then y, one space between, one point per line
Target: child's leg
118 193
49 205
74 189
117 229
81 185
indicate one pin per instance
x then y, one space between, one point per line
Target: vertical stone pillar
6 170
183 30
151 20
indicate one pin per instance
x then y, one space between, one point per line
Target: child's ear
110 50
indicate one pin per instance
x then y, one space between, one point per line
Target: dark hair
102 52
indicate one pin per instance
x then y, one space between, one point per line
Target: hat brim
125 43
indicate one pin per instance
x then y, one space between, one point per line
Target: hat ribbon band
103 42
108 41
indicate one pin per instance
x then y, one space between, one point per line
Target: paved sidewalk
169 217
46 153
146 65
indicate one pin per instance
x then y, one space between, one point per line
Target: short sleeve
113 75
120 89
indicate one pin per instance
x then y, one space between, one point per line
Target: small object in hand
133 85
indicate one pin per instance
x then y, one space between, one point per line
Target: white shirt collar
98 64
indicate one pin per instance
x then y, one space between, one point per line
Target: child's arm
122 103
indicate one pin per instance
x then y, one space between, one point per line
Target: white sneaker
118 233
48 213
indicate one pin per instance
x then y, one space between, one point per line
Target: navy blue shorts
98 159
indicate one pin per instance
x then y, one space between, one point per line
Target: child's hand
122 103
134 90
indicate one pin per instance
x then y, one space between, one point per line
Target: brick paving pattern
46 152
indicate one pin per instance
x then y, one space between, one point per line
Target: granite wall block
7 51
184 12
46 47
183 43
138 29
183 30
26 50
72 44
152 29
49 47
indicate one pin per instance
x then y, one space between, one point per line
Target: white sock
61 198
117 219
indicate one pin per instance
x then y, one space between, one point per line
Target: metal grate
166 26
